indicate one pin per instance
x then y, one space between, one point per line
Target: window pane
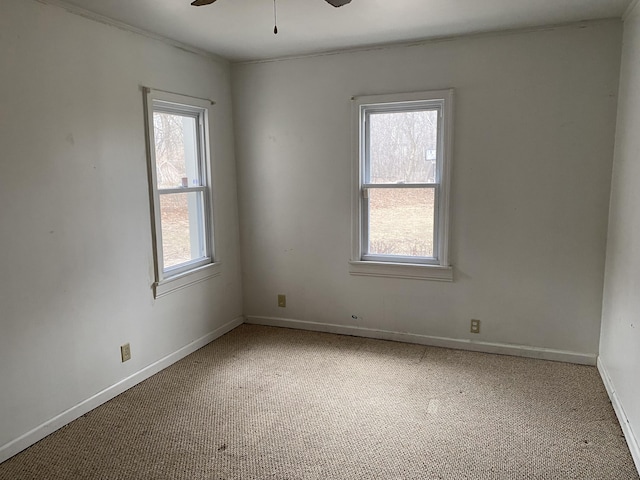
183 233
401 221
403 147
176 143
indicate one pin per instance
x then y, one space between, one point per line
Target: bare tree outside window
402 150
403 147
170 149
176 153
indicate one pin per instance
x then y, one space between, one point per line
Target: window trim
188 273
436 268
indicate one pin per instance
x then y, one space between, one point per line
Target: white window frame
427 268
180 276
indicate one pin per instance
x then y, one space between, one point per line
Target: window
180 187
401 176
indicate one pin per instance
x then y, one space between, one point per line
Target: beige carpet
271 403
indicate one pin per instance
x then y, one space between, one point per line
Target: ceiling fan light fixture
335 3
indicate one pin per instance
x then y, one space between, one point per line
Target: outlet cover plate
125 352
282 301
475 326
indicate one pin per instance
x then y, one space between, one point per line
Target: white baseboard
459 344
629 434
15 446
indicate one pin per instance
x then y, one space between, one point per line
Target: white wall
75 238
620 337
534 134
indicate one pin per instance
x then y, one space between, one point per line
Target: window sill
183 280
402 270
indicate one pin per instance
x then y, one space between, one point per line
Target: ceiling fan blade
199 3
337 3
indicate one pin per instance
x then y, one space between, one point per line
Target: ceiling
242 30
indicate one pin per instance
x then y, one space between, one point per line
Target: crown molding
629 10
96 17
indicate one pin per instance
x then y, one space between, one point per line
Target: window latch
365 192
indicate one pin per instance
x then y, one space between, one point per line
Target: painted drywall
533 146
620 338
75 243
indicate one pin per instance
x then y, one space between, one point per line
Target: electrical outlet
282 301
475 326
125 352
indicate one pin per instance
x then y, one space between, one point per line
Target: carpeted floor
271 403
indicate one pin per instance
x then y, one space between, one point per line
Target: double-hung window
180 188
401 179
